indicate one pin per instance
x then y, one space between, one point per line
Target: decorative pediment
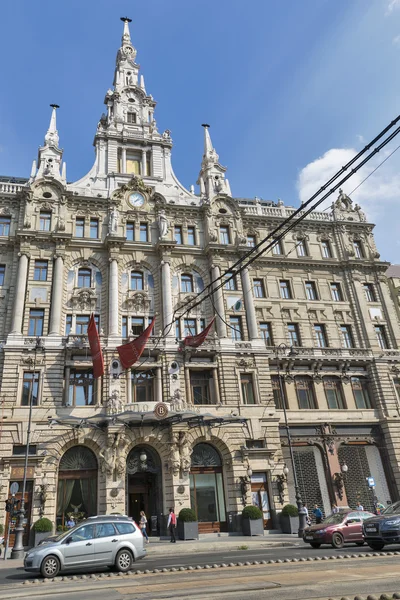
84 299
136 184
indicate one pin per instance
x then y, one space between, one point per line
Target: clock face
136 199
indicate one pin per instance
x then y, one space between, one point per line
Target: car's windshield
392 509
64 534
333 519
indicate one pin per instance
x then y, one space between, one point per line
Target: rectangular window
301 248
30 388
133 163
311 291
2 274
251 241
5 223
178 234
44 221
305 393
36 321
20 450
142 386
94 229
336 292
334 393
40 271
137 325
84 277
224 235
80 227
294 336
360 392
347 336
231 284
236 328
381 335
320 335
278 387
200 384
130 231
258 288
124 331
144 235
277 247
191 236
186 283
177 330
358 249
369 292
326 249
136 280
255 444
246 384
68 324
82 322
202 324
81 388
131 118
189 327
284 286
265 330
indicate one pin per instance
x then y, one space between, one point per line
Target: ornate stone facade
128 242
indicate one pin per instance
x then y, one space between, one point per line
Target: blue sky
290 88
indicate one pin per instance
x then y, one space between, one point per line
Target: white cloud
361 138
393 4
396 40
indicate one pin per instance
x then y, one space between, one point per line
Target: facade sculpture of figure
184 452
120 444
28 212
114 403
108 456
163 224
176 400
175 453
113 221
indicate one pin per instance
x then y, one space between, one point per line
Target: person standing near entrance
317 512
172 524
143 525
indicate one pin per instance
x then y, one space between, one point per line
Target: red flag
194 341
131 352
95 348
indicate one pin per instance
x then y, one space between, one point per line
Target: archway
207 489
144 487
77 485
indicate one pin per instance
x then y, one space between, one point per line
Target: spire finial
51 137
208 147
126 36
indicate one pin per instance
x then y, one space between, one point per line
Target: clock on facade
136 199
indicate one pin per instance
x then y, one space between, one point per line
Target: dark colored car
338 529
384 528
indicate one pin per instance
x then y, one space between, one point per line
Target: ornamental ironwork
205 455
78 458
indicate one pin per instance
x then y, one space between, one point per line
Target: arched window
334 392
186 283
77 485
84 277
206 487
136 280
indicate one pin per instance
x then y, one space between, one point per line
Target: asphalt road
9 574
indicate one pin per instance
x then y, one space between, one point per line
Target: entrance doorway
143 472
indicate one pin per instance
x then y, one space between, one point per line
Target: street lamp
18 549
344 468
282 348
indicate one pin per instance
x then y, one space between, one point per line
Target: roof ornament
51 137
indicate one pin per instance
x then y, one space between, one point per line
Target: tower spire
208 147
51 137
212 179
126 36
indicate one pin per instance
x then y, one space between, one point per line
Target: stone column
20 292
217 399
56 296
113 308
169 329
128 386
249 305
66 385
219 302
144 158
159 390
123 160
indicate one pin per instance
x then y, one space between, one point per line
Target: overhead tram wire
209 287
290 226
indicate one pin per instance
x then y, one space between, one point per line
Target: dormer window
131 118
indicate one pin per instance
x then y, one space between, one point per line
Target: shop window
81 388
305 392
40 271
36 322
206 485
30 388
247 387
200 384
142 386
77 486
5 223
360 392
334 393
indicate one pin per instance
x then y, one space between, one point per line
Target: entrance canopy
140 419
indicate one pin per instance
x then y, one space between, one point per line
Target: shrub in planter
289 518
252 521
42 528
188 527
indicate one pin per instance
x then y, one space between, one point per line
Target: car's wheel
124 560
314 545
360 543
376 545
337 540
50 567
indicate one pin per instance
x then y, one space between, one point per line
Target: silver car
109 541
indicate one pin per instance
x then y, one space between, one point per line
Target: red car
338 529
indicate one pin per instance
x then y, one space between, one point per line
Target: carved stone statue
175 454
176 400
120 444
184 451
108 456
163 224
113 221
28 212
114 403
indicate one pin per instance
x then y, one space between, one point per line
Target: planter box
253 526
39 536
188 530
289 524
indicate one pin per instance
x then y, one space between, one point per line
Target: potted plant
289 518
42 529
252 521
188 527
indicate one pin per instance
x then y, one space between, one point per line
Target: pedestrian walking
359 506
143 525
379 507
171 525
317 512
308 520
335 509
